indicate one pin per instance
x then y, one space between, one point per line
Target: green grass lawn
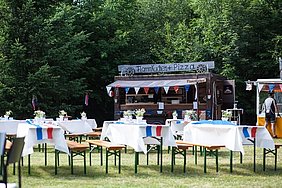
149 176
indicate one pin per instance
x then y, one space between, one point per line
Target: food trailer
263 86
161 90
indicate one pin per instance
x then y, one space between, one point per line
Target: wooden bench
98 129
111 149
93 135
270 151
74 136
76 149
180 148
208 149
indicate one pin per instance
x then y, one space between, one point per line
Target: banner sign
164 68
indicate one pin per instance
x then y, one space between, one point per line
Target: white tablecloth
92 123
34 136
10 126
133 135
232 137
75 126
177 125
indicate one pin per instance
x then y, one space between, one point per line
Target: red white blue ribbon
153 131
249 132
40 134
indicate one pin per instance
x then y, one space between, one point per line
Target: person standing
270 108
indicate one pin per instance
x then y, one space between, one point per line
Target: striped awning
155 83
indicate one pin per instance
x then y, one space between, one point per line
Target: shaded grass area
149 176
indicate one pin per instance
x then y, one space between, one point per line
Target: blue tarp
214 122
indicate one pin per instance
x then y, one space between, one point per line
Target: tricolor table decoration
229 135
134 135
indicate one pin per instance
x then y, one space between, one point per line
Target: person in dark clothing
270 108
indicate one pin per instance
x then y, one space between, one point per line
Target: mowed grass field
149 176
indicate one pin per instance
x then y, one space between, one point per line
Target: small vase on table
139 119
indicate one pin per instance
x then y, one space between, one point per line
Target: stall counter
278 123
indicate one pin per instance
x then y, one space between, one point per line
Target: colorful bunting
166 89
176 88
271 87
260 86
146 89
126 90
187 88
156 90
108 89
136 89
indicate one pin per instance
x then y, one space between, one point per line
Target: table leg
231 161
136 161
161 148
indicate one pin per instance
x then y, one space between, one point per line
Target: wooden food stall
263 86
160 91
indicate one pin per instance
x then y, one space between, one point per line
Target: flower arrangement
83 114
140 112
226 114
8 113
127 113
62 113
191 114
174 113
39 114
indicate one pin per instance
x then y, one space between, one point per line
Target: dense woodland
58 49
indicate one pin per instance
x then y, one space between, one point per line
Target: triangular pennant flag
166 89
271 87
280 85
176 88
136 89
260 86
187 88
108 89
156 89
146 89
126 90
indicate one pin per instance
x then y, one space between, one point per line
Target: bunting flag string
108 89
280 86
126 90
146 89
166 89
136 89
176 88
260 86
156 90
187 88
271 87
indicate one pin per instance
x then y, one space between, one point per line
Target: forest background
57 50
